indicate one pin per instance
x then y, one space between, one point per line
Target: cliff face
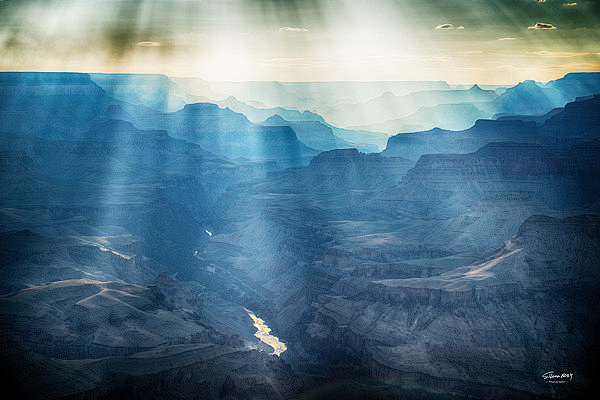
207 371
348 169
445 185
451 327
314 134
227 133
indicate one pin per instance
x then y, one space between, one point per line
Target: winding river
263 333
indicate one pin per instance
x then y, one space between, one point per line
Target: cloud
291 29
570 4
542 25
445 26
148 44
507 38
560 54
541 1
460 27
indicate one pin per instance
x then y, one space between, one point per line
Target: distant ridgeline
372 110
72 103
558 130
140 218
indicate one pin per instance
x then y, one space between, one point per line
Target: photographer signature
553 377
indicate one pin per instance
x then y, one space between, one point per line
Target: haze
460 41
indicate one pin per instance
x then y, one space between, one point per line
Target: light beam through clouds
335 39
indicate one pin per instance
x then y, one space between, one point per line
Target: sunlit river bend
263 333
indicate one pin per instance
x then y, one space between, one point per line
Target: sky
459 41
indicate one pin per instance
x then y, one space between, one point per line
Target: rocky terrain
490 323
136 244
454 259
314 133
230 134
73 103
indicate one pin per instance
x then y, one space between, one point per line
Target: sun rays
243 40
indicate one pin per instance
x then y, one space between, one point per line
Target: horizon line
290 81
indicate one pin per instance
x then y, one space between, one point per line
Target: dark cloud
542 25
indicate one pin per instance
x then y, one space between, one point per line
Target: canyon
136 238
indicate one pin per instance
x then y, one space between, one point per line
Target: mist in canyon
177 238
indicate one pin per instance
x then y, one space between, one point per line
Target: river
264 334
